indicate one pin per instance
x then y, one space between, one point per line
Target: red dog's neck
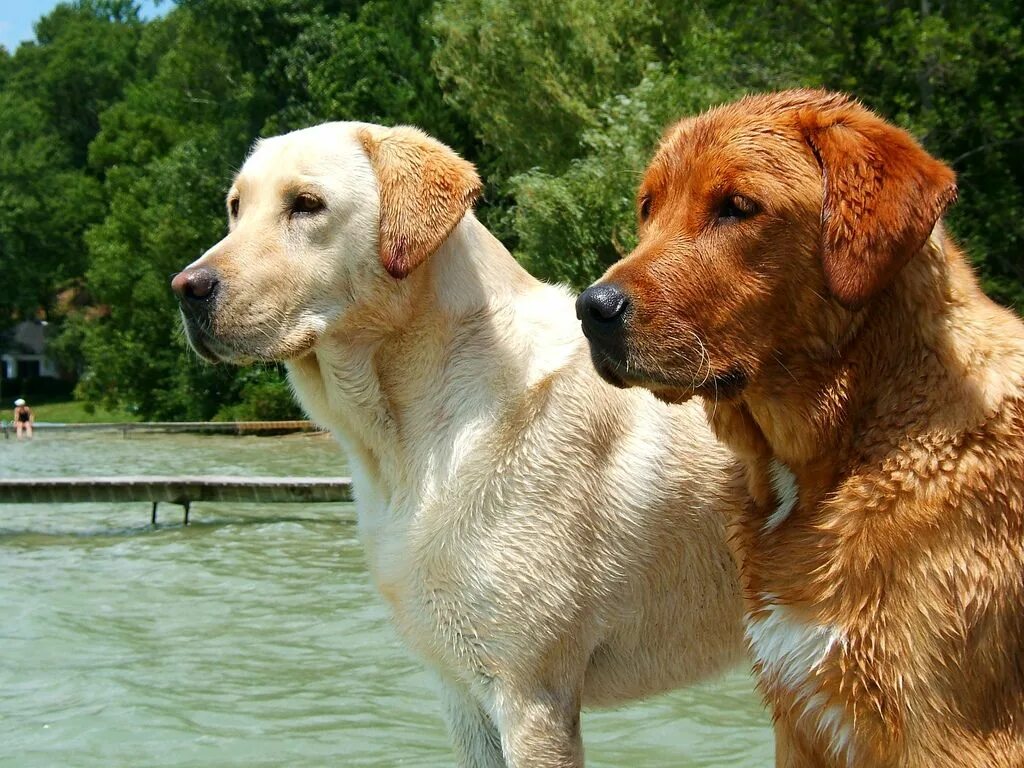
903 358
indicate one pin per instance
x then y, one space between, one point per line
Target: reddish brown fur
835 332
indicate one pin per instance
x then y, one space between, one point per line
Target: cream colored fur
544 540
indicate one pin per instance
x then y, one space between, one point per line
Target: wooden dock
174 490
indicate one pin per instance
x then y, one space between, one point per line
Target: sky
18 16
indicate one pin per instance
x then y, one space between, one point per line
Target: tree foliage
118 136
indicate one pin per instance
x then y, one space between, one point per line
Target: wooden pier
174 490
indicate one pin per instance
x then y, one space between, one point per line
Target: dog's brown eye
645 207
233 207
306 204
737 208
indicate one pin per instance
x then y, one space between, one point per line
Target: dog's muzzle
602 310
197 291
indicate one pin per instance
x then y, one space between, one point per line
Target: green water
251 637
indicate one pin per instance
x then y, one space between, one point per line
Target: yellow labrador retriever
542 540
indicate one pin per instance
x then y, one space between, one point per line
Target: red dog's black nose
600 308
195 285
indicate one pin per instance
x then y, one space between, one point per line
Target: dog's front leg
473 733
540 728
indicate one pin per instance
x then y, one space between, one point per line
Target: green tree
51 93
82 58
569 103
576 101
222 74
950 72
371 66
168 150
530 75
118 137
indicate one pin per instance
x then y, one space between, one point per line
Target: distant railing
174 490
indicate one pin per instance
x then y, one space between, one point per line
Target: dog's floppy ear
883 195
425 190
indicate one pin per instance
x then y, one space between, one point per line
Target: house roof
26 338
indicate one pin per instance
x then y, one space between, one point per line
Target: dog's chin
200 343
671 395
214 349
728 385
214 352
607 369
612 373
718 388
672 390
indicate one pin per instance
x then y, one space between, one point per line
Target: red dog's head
765 225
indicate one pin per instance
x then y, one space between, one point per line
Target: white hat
19 401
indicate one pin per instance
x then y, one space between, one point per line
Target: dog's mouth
212 348
200 348
616 374
723 386
203 343
718 387
608 369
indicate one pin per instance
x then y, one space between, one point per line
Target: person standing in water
23 419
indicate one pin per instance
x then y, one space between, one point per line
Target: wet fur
880 424
544 541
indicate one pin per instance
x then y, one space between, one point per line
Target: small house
23 352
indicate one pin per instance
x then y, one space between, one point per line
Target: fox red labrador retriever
793 273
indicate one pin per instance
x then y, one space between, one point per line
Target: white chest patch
786 494
790 652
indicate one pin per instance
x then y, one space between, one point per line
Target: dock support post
152 518
188 507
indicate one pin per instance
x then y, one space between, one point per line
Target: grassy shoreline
73 412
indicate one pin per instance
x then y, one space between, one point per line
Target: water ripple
251 638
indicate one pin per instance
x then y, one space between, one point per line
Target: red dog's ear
425 190
883 195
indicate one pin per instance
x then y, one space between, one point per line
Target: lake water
251 637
